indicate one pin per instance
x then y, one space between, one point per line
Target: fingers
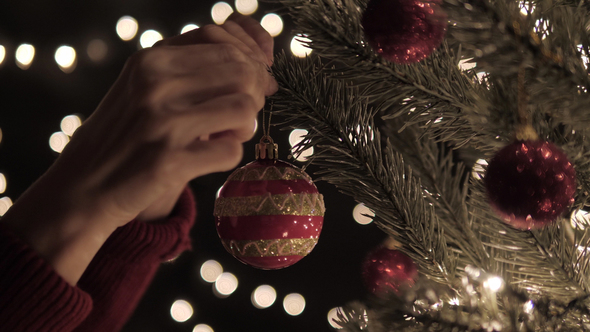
238 31
262 38
205 157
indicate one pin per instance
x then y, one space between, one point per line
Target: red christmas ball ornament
388 270
530 183
269 213
404 31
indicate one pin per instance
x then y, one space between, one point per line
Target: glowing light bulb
273 24
181 311
2 183
25 54
127 28
467 64
211 270
296 136
65 56
478 169
226 284
294 304
97 50
332 315
188 27
298 46
149 38
69 124
220 12
263 296
5 204
494 283
246 7
58 141
361 214
203 328
2 54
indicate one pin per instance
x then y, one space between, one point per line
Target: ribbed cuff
140 241
33 297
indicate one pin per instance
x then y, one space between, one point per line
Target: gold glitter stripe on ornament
268 173
271 205
270 248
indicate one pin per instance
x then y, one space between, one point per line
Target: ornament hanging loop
267 148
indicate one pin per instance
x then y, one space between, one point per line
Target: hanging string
266 127
524 129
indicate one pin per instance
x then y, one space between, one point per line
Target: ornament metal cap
267 148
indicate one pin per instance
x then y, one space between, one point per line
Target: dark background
33 102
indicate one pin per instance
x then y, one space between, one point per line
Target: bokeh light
203 328
97 50
273 24
246 7
297 136
298 47
580 219
69 124
2 183
220 12
181 311
332 315
25 54
211 270
65 57
58 141
226 284
263 296
5 204
149 38
478 169
188 27
2 54
127 28
294 304
467 64
361 214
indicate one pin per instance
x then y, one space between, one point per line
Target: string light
127 28
294 304
246 7
263 296
25 54
298 46
58 141
226 284
181 311
361 214
211 270
2 183
2 54
332 315
65 57
149 38
203 328
273 24
188 27
478 169
5 204
220 12
69 124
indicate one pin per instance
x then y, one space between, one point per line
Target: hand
178 110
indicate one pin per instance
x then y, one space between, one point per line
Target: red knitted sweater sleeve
34 298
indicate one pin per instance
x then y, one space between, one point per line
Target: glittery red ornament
269 214
530 183
404 31
388 270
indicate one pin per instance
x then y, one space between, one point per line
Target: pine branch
349 151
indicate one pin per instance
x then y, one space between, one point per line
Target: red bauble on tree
530 183
269 214
404 31
388 270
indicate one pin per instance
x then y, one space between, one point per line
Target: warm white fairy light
526 7
220 12
149 38
296 136
2 54
69 124
25 54
211 270
494 283
226 284
2 183
203 328
362 214
181 311
246 7
478 169
58 141
65 57
127 28
298 46
580 219
454 301
272 23
263 296
467 64
332 315
294 304
189 27
528 307
5 204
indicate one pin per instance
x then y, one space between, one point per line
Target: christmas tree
407 130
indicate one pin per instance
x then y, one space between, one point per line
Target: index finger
256 31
